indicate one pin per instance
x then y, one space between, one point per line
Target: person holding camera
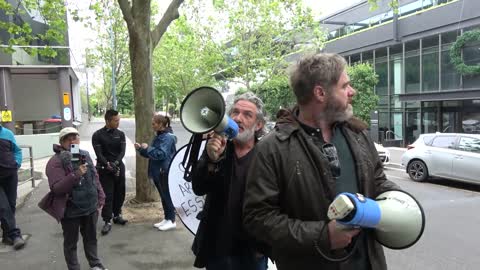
109 145
76 196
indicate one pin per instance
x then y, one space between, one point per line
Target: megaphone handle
350 252
191 153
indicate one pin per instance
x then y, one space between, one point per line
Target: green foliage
257 36
363 80
393 4
456 53
111 51
276 94
183 61
52 13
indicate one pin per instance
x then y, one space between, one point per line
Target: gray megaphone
396 216
203 110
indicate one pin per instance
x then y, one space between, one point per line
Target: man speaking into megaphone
317 151
220 241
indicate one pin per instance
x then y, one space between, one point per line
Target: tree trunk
140 55
142 41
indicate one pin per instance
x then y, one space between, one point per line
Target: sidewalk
132 247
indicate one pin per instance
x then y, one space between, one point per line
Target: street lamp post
112 39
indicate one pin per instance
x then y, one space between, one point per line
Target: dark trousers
8 201
161 182
114 188
87 225
238 262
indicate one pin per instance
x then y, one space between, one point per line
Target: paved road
450 239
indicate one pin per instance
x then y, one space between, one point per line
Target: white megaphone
203 110
396 216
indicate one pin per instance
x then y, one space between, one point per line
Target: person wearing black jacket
220 241
109 145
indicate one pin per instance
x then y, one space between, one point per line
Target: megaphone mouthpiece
209 116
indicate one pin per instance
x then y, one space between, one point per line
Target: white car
447 155
383 152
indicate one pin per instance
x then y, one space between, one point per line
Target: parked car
454 156
383 153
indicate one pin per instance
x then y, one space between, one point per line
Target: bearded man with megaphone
317 151
220 241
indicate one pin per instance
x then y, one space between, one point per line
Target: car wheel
417 170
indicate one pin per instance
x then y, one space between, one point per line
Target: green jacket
290 186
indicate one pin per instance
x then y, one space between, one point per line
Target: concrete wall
41 144
35 97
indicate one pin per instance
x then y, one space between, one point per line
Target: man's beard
334 114
246 135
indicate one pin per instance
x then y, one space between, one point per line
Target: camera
76 156
75 150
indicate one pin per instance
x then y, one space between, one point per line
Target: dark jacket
109 146
289 189
11 154
62 179
216 186
160 153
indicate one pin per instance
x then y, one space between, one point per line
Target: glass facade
423 66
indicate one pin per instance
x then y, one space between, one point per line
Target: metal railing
29 158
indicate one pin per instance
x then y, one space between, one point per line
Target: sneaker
106 228
160 224
169 225
119 220
7 241
18 243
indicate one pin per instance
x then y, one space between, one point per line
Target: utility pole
112 38
88 98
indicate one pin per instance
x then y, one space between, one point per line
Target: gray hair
261 114
323 69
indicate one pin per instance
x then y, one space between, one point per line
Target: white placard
186 203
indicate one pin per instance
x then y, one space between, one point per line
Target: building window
471 56
397 126
430 63
412 67
354 59
450 77
381 69
396 69
412 126
367 57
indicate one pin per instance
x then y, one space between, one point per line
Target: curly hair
261 114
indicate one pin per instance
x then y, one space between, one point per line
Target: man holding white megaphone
396 216
220 241
317 151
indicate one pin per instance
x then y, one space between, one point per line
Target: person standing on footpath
10 162
160 153
221 242
76 197
109 144
316 151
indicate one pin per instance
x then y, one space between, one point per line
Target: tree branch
126 11
170 15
